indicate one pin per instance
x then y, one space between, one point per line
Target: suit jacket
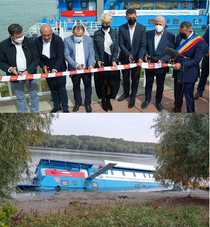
70 52
167 40
138 47
191 65
56 60
8 55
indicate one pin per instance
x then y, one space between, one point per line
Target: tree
183 150
17 131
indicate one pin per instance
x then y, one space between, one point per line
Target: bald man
157 40
51 51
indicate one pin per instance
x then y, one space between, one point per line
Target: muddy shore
61 201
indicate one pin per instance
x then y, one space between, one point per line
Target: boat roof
133 166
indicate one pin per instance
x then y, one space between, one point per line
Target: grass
119 215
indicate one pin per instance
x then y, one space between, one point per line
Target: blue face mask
78 39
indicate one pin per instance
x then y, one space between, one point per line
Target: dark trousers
77 91
187 89
160 78
57 87
135 75
204 75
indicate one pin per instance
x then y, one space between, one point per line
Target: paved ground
201 105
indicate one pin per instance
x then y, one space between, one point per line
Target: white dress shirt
20 57
131 31
157 39
46 49
80 54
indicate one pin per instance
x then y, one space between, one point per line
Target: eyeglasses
46 36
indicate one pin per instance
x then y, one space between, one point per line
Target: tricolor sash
188 43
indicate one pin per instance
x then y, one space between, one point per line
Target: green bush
6 213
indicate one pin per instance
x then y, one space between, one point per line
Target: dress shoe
76 107
122 97
55 110
176 110
159 107
196 96
144 105
66 111
109 105
88 108
104 105
131 103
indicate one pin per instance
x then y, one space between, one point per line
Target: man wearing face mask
19 56
51 51
192 47
79 53
157 41
132 43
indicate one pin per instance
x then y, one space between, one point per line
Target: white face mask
158 28
19 40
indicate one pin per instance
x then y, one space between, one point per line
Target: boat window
94 184
139 175
144 175
184 5
129 174
148 5
175 21
74 182
160 5
169 5
168 21
112 5
192 4
69 5
135 5
117 173
151 21
65 183
83 5
125 6
175 5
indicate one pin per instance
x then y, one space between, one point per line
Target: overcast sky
132 127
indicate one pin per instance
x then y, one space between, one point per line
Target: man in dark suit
157 41
204 68
191 46
79 53
132 43
51 51
19 56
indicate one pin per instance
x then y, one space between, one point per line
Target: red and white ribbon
70 73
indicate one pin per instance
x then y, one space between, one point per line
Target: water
24 12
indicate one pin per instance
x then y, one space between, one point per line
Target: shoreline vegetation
159 209
94 143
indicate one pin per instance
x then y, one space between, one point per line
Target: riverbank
60 202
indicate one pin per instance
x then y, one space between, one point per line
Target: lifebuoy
57 188
54 170
196 22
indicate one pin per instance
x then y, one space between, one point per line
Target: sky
128 126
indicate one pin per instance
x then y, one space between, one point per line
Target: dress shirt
80 54
182 40
46 48
157 39
131 31
20 57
